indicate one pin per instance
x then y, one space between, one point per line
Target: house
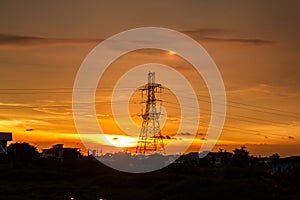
287 166
193 159
4 138
220 158
216 159
59 152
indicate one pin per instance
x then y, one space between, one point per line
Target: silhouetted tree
21 154
241 157
274 157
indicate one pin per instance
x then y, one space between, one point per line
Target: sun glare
122 141
171 53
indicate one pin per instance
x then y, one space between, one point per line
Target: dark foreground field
88 179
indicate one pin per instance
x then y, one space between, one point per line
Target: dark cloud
205 31
258 42
185 134
20 40
7 39
291 137
169 137
205 35
217 36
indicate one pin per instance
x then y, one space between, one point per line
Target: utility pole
150 139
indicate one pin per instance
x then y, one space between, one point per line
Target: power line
239 105
246 118
282 112
46 91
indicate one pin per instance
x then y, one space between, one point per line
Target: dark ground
89 179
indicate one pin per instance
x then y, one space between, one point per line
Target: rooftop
5 136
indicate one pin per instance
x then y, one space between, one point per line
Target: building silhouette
4 138
59 152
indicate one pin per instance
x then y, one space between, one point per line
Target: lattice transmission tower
150 139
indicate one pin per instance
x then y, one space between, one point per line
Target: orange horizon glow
66 133
257 56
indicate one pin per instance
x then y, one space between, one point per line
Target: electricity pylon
150 139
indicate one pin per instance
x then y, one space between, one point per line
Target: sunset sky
255 44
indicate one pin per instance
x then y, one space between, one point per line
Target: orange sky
255 45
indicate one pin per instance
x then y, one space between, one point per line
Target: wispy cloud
205 31
217 36
205 35
185 134
257 42
22 40
25 122
13 104
266 89
54 111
